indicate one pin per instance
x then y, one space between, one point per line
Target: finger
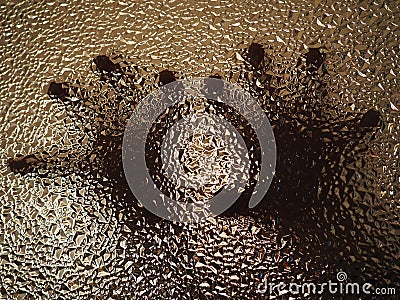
28 164
256 55
260 63
371 119
124 83
342 137
75 100
106 66
312 60
63 91
165 77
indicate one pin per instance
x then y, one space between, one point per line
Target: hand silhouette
315 154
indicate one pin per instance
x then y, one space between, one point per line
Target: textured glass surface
326 74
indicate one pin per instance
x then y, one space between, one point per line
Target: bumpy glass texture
326 75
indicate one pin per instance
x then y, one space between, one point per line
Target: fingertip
166 77
370 119
255 54
58 90
104 64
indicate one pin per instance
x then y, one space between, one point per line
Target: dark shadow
302 201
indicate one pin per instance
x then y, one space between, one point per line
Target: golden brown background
58 241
